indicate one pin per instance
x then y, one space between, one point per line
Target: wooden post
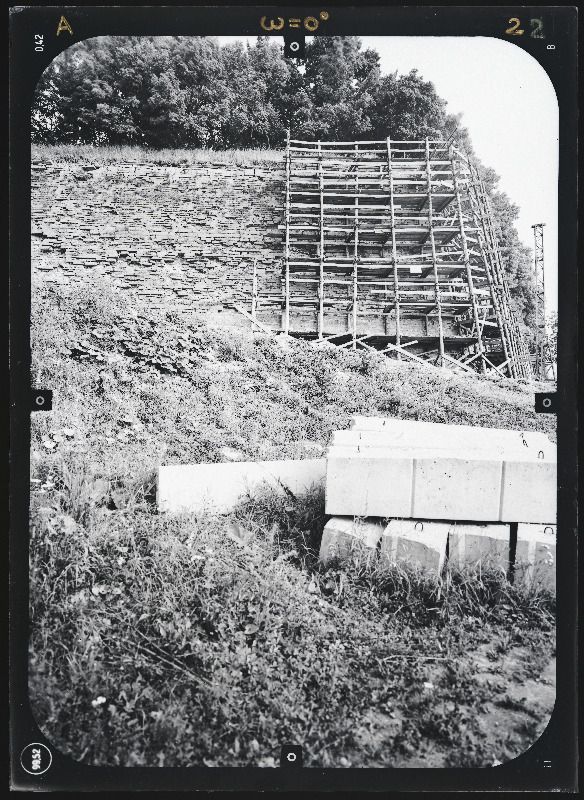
394 251
466 257
514 361
320 323
355 255
433 245
488 258
286 325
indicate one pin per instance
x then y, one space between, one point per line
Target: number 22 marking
536 28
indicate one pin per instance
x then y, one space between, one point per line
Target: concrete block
473 547
411 433
218 488
389 431
369 487
529 491
415 542
346 536
535 556
457 488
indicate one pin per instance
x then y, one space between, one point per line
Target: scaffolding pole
540 331
433 246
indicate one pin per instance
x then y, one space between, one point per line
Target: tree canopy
192 92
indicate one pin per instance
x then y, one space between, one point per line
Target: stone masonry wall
182 237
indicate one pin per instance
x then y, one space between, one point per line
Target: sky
510 109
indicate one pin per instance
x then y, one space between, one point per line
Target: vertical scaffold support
466 257
540 334
320 323
286 325
394 250
355 254
434 264
479 209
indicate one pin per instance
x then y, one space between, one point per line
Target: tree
406 108
338 81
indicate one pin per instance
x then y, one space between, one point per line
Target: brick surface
472 547
219 487
346 537
535 556
418 543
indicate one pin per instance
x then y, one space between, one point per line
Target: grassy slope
181 641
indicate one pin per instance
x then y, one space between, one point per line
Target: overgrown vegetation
104 155
206 640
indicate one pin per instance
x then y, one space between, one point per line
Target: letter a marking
64 26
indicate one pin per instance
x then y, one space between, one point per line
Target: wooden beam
394 249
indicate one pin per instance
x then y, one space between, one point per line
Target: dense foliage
189 92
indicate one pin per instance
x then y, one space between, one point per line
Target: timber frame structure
392 246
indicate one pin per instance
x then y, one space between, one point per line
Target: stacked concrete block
529 490
479 547
441 472
369 486
417 543
346 537
217 488
535 556
378 432
449 483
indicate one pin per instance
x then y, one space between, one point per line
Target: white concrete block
457 488
344 537
369 487
415 542
218 488
412 433
389 431
535 556
529 491
473 547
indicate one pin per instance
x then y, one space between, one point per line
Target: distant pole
540 331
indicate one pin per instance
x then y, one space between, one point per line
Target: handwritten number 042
536 28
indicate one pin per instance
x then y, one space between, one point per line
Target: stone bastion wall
182 237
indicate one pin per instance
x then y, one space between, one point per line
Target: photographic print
294 309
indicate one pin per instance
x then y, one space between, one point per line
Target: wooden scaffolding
392 246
